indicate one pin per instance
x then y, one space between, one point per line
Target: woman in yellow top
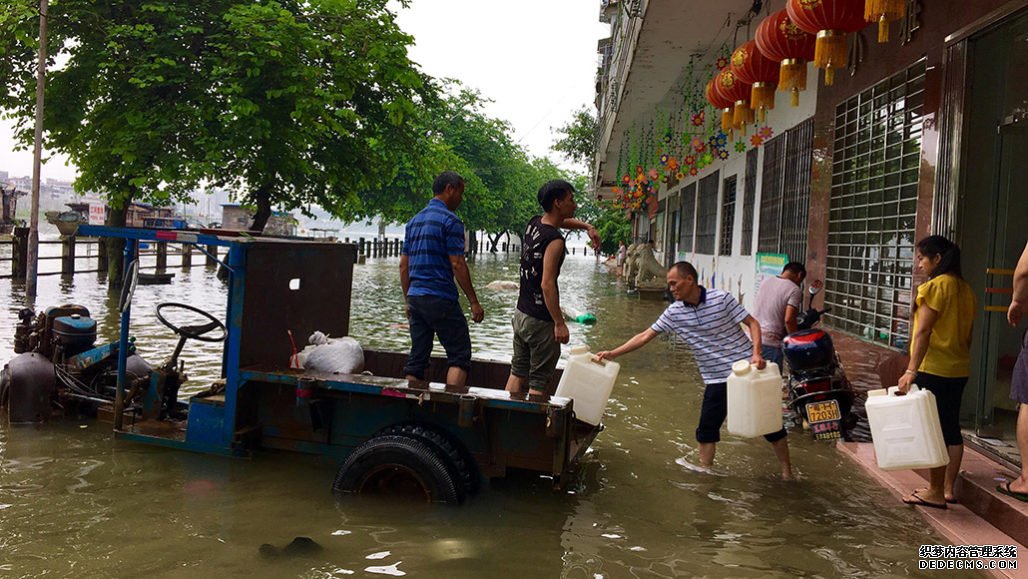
940 354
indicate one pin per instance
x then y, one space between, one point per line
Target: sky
535 59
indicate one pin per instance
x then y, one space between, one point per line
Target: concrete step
976 490
983 516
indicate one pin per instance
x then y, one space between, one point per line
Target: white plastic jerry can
588 381
754 399
905 429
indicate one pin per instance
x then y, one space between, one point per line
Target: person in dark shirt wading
433 255
539 327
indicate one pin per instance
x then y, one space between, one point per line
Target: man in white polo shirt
708 321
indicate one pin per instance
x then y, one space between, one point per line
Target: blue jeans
431 316
773 354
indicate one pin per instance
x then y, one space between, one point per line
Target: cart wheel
397 465
459 462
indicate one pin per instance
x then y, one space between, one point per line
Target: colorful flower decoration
698 119
740 147
664 159
756 140
721 138
654 175
766 132
626 179
672 164
712 141
617 190
689 160
722 154
697 144
707 159
722 63
679 175
668 136
693 171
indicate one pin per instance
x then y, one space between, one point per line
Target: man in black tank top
539 327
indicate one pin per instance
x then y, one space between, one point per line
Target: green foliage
293 102
577 139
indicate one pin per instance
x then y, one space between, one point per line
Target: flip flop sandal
920 502
1005 489
950 501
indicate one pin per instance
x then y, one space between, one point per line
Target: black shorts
948 393
713 414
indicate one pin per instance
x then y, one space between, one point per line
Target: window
706 214
728 216
688 218
748 199
785 192
875 179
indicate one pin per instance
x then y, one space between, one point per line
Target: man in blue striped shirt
708 321
432 257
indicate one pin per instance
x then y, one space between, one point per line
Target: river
73 502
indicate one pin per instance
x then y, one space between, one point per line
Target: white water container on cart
754 399
906 430
588 381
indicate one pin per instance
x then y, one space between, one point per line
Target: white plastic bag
335 355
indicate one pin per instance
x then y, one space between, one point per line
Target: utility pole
33 250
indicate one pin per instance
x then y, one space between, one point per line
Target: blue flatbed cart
385 432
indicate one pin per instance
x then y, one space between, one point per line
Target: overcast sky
535 58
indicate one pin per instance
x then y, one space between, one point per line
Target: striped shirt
711 330
431 237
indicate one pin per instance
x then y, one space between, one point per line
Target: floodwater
74 502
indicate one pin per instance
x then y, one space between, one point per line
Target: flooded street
73 502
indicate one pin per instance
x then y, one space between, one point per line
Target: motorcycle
818 391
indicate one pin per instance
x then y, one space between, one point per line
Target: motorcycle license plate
823 411
825 419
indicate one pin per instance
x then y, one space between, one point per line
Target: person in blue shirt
432 258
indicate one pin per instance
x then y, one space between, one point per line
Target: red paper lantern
734 90
782 41
831 21
721 104
752 67
882 11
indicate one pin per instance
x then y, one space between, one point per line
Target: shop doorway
994 221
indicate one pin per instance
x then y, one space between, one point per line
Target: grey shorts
1019 382
535 351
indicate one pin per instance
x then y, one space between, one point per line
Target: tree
311 101
577 139
577 143
294 102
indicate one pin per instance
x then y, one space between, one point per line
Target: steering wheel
194 332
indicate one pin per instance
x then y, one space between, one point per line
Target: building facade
917 136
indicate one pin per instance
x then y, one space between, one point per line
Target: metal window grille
749 196
796 191
875 180
728 216
688 214
769 240
785 192
706 214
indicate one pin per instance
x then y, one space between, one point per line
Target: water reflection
73 501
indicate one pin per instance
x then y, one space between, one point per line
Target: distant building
237 217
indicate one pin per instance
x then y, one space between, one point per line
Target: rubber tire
398 452
462 465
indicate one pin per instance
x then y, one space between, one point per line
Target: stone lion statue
650 273
631 256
